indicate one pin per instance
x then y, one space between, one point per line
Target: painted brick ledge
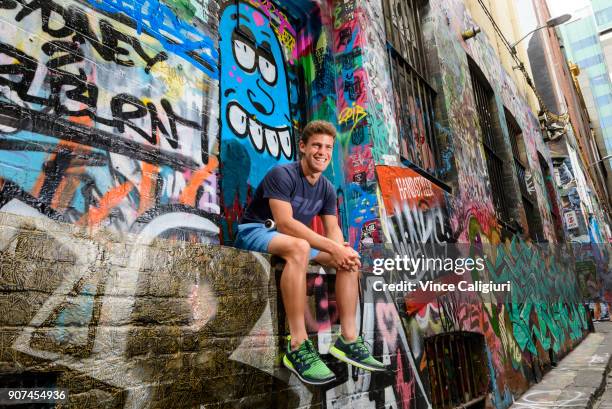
176 324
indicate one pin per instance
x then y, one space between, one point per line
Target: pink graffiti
350 79
348 37
387 318
274 14
258 19
326 312
465 211
305 45
405 390
361 164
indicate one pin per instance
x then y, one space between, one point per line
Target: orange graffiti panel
403 185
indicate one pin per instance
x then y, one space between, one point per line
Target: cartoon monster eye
267 69
245 55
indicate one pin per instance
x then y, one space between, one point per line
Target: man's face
317 153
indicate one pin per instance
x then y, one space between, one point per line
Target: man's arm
286 224
333 232
332 229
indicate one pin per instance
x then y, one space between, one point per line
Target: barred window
455 365
518 151
520 165
414 96
550 197
484 99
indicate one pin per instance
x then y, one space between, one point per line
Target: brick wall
164 323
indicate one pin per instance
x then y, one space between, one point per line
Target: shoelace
359 347
307 353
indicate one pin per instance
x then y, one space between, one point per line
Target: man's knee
353 271
299 251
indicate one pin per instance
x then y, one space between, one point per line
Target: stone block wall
130 325
165 324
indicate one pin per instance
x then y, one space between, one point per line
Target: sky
557 7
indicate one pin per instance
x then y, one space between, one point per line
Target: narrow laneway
605 400
578 378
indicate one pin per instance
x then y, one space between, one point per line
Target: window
603 100
518 149
604 16
590 61
599 80
483 95
584 43
551 198
457 369
414 96
606 122
519 155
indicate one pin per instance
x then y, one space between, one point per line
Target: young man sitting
291 195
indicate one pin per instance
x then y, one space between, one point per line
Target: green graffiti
544 306
183 8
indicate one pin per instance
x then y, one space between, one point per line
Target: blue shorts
257 237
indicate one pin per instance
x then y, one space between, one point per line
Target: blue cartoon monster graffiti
254 101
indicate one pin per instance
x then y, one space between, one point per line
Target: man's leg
349 347
301 356
296 253
347 296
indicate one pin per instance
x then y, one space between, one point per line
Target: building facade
586 42
580 176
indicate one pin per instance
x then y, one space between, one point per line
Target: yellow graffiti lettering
278 18
175 80
286 39
354 113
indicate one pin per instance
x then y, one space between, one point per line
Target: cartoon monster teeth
237 119
285 142
272 142
256 134
262 137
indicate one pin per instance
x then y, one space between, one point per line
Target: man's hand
346 258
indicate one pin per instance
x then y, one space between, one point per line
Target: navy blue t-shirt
288 183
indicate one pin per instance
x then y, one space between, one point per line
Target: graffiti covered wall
159 119
415 202
542 320
521 335
173 324
109 115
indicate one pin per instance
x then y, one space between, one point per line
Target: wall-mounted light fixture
470 33
553 22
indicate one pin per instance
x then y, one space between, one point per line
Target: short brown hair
318 127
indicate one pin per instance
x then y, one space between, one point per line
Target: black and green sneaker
356 353
306 363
